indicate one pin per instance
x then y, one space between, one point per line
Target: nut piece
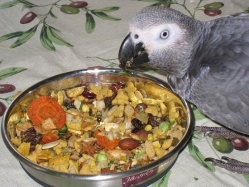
142 134
128 144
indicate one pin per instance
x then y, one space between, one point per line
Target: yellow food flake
60 97
160 152
121 98
156 144
95 88
152 110
74 92
167 143
24 149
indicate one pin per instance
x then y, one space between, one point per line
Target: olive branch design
211 9
6 88
49 35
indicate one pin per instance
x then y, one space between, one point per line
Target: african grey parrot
205 62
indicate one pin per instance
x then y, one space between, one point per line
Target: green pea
69 9
63 129
164 126
213 6
222 145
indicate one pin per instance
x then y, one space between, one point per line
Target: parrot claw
230 164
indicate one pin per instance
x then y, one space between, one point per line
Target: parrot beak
130 55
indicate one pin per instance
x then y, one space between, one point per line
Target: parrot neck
182 84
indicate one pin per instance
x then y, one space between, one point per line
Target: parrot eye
164 34
136 36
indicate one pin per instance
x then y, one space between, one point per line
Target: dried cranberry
28 17
89 95
121 84
5 88
154 121
141 107
116 86
137 125
108 102
31 136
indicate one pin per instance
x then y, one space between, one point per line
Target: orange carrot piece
49 137
106 143
46 107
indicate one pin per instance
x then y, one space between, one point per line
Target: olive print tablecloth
42 38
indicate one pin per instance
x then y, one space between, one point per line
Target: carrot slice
45 107
106 143
49 137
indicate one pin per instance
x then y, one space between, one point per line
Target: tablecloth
42 38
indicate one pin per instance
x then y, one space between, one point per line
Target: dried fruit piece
89 95
107 143
137 124
45 107
49 137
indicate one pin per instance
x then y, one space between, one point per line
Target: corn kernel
148 127
150 137
156 144
85 108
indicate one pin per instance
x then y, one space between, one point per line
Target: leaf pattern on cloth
198 156
6 88
48 35
210 9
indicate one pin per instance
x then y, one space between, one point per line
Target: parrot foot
216 132
230 164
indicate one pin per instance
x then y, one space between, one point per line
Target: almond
142 134
128 144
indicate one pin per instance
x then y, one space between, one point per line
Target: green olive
69 9
213 6
222 145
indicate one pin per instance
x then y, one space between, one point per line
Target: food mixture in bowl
99 128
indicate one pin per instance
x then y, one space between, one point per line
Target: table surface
91 37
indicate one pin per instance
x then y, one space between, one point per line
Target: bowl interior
83 77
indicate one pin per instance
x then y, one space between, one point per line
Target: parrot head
162 37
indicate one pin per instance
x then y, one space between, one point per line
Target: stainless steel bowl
141 176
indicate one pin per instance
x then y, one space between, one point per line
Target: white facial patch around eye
151 36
